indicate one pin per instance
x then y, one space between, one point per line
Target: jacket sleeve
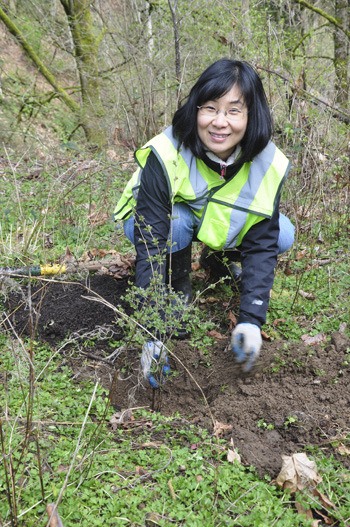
259 249
152 223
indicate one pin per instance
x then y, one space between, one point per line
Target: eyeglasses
233 114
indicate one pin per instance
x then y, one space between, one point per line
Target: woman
213 176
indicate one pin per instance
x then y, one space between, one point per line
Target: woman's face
218 132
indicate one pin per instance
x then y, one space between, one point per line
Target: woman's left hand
246 343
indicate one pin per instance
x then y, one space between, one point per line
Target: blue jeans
184 223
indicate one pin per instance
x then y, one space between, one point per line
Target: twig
54 519
341 114
10 484
148 475
171 489
75 453
101 300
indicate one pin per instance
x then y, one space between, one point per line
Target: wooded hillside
113 72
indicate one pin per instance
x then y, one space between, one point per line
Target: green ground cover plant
311 296
48 206
59 445
56 438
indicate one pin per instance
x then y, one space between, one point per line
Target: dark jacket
259 247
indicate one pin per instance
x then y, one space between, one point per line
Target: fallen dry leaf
111 154
343 450
297 473
326 520
265 336
220 428
216 335
325 501
303 511
319 262
100 261
300 255
232 319
312 340
151 444
152 519
232 454
120 417
305 294
278 321
68 256
209 300
309 514
98 218
201 275
342 327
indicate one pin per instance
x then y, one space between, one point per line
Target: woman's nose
220 119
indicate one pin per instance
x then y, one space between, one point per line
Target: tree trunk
341 53
325 15
341 39
15 31
86 46
90 111
149 25
245 11
175 21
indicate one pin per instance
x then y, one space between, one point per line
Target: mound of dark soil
297 396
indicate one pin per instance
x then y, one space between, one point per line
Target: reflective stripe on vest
227 209
189 179
243 201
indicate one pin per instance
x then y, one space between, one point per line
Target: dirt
297 396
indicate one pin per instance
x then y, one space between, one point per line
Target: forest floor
296 397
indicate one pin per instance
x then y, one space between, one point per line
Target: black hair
215 82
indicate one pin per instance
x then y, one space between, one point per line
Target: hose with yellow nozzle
36 270
111 262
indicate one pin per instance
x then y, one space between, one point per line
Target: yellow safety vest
226 209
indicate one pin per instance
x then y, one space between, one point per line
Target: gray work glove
246 342
155 363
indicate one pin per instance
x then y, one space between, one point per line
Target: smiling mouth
218 136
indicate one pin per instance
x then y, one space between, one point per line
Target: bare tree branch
11 26
338 113
325 15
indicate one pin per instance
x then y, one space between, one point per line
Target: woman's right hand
155 363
